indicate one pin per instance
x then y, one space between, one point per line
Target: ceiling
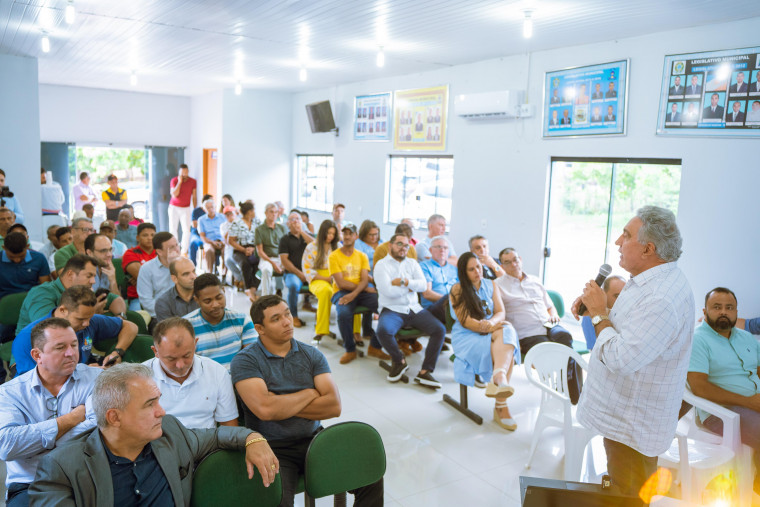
191 47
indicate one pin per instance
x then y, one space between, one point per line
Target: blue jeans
195 243
346 318
293 283
18 495
389 324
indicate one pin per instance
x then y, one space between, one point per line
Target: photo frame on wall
586 101
712 93
420 119
372 117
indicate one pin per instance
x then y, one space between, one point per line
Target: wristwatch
120 352
599 318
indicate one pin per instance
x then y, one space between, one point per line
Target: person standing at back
183 194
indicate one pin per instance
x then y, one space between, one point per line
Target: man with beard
724 369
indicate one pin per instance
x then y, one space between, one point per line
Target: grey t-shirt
282 375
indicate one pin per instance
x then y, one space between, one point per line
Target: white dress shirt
637 368
401 299
153 279
203 399
52 198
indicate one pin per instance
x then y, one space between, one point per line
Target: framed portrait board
713 93
586 101
420 119
372 117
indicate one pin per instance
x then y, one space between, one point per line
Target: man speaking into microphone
637 369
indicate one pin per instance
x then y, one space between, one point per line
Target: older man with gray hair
637 369
436 227
138 455
268 236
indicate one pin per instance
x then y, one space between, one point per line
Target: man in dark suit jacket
596 117
611 92
555 97
755 88
610 114
565 118
554 120
142 437
713 111
673 115
695 88
740 86
676 89
598 94
735 116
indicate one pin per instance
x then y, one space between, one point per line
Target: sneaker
297 322
378 353
397 370
426 379
348 357
479 382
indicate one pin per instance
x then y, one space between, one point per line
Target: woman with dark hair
316 269
369 239
483 341
226 201
242 240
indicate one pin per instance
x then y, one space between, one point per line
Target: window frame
297 187
421 221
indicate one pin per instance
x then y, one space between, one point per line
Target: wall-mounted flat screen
320 116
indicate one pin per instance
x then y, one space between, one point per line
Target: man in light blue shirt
44 407
724 369
441 275
436 227
154 277
209 228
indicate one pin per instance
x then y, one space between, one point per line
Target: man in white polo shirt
196 390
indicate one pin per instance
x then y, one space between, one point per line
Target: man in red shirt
182 192
134 258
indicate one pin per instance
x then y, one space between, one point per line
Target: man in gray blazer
137 454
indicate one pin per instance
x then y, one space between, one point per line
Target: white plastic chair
700 455
546 367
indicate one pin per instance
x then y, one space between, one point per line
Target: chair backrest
344 457
137 319
546 367
138 352
559 303
10 307
121 279
221 479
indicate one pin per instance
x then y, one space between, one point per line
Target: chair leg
308 501
537 430
339 500
461 405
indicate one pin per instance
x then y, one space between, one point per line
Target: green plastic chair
344 457
10 307
221 479
559 303
121 278
139 351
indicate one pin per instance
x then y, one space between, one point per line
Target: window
315 182
419 187
590 201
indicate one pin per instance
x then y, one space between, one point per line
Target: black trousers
248 265
559 334
628 468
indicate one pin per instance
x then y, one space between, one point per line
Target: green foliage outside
126 164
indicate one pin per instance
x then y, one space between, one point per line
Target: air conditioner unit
502 104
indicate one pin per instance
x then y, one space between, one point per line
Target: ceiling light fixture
45 42
302 74
380 61
133 78
238 88
70 13
528 24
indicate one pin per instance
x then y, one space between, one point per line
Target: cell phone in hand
549 324
109 361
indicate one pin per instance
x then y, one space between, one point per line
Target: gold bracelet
254 440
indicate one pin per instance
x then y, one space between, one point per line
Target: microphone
604 272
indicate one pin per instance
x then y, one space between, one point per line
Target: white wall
205 133
501 168
91 115
20 136
256 146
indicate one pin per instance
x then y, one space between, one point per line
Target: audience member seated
383 248
478 314
11 203
230 215
108 228
750 325
411 224
242 239
77 306
51 247
491 269
138 455
135 258
612 286
349 269
368 241
195 240
133 220
399 280
724 368
42 299
64 237
305 219
291 250
338 215
268 236
287 389
211 234
98 246
125 232
154 277
316 268
80 229
531 311
441 275
178 301
436 227
7 218
220 332
21 268
194 389
44 408
52 196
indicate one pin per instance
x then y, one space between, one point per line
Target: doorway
210 159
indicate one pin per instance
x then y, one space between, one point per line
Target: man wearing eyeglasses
80 229
45 407
99 247
441 275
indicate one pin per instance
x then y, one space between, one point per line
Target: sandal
508 423
493 390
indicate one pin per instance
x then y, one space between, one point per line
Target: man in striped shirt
221 332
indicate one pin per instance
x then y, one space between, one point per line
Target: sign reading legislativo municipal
587 100
714 93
